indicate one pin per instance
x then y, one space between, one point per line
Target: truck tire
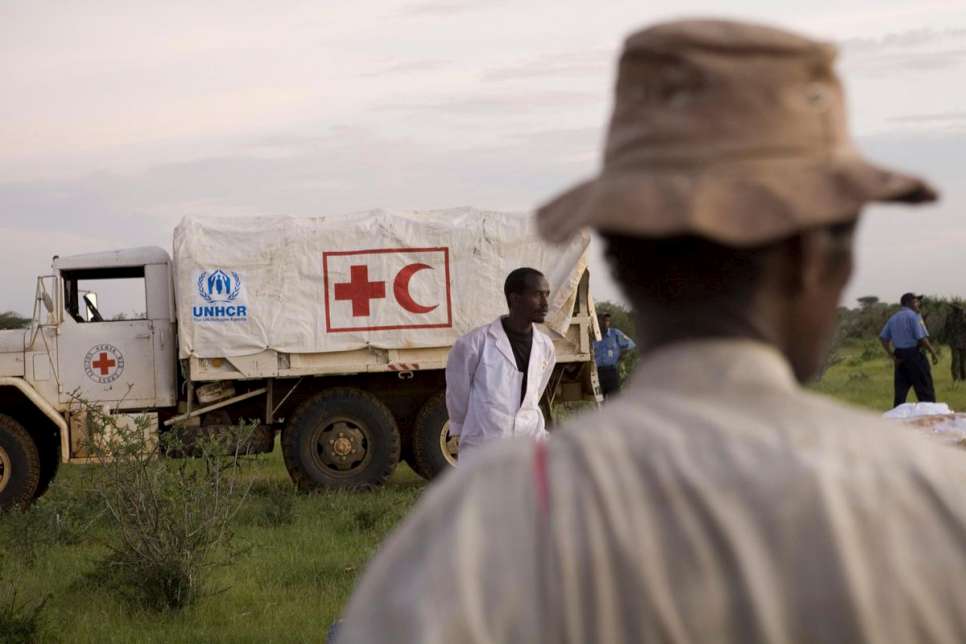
342 438
434 450
19 464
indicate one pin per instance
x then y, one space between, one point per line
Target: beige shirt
713 501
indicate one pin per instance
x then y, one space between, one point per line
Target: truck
329 334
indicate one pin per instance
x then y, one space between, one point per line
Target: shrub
172 519
11 320
20 621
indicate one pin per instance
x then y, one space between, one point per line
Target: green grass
863 377
304 552
288 587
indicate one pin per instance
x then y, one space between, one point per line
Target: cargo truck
330 332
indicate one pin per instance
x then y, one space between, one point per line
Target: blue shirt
607 351
904 329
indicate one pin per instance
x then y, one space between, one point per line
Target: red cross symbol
104 364
360 290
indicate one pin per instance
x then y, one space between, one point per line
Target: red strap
541 479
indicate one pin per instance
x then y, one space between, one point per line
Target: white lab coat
483 387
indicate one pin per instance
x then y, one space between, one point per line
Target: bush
20 621
864 323
172 519
11 320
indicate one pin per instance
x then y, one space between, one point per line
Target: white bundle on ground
936 419
914 410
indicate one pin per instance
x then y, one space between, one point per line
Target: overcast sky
119 118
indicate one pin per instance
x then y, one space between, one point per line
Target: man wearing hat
904 338
716 500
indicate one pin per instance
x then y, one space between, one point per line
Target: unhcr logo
219 289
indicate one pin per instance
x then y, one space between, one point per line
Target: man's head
784 292
730 186
527 292
603 321
911 300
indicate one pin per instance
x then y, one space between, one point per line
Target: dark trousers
610 380
959 363
912 370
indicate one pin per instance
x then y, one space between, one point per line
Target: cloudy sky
120 117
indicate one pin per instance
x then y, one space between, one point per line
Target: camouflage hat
732 131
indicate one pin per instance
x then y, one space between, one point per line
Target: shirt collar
715 364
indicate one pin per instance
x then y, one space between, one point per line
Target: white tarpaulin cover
917 409
935 419
387 279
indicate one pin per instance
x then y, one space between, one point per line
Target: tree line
10 320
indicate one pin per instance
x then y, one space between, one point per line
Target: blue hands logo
218 286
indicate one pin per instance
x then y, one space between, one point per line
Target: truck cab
103 331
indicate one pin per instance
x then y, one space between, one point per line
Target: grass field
304 551
863 376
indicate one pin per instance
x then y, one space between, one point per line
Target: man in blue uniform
906 333
613 344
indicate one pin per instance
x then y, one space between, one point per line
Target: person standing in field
717 499
955 333
496 374
608 351
904 338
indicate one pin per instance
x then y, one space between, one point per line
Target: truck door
106 345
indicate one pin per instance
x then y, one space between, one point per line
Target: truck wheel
341 438
19 464
434 450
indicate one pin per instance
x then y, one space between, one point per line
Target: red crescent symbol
400 287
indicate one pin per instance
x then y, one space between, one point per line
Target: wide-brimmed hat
731 131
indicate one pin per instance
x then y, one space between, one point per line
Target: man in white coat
496 374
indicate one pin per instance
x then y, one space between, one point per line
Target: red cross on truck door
386 289
103 363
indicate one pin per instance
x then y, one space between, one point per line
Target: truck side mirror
91 314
